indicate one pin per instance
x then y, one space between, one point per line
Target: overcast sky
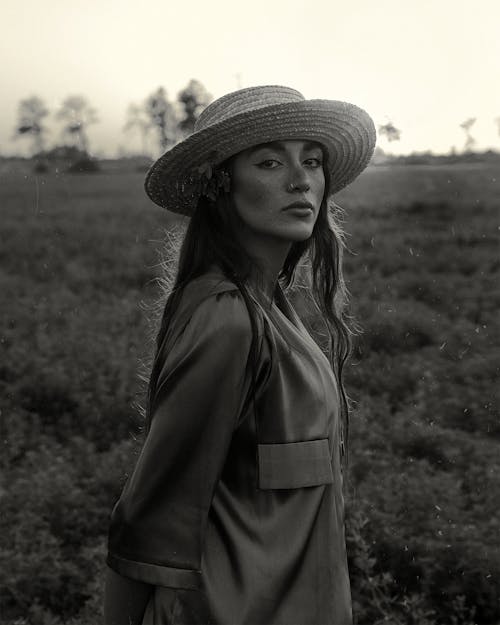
425 65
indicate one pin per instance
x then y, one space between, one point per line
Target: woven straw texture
257 115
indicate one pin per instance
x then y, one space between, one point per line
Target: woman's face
278 187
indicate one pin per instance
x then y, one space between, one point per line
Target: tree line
392 133
167 121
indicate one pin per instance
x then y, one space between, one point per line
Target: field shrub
78 260
84 166
55 510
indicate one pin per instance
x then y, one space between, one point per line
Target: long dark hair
211 238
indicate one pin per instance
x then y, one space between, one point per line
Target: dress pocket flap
295 465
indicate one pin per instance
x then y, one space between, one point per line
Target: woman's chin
301 232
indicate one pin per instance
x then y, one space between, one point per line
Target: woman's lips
301 204
301 209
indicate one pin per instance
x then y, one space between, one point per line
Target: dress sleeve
157 527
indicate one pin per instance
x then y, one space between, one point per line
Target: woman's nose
299 181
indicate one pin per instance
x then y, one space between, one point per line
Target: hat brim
345 130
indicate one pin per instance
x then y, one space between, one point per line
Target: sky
424 65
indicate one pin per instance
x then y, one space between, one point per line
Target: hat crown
243 101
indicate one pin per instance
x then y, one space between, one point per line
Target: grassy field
79 255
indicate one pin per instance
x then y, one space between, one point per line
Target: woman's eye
314 162
269 163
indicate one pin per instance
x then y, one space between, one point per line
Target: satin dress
234 512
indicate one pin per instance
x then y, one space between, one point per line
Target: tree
137 120
77 114
30 115
194 98
469 139
390 131
161 114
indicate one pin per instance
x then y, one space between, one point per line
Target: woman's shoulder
209 284
211 301
212 317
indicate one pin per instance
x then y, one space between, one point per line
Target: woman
234 513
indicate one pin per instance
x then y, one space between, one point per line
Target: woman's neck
269 256
264 278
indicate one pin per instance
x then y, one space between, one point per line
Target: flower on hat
211 180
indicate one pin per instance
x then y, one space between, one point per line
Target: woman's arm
125 599
157 527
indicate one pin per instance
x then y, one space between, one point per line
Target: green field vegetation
79 258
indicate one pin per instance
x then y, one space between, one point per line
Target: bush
54 520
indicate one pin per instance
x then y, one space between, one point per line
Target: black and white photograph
250 312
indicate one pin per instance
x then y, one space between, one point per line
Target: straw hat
255 115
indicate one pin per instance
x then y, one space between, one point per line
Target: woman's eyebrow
272 145
312 145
